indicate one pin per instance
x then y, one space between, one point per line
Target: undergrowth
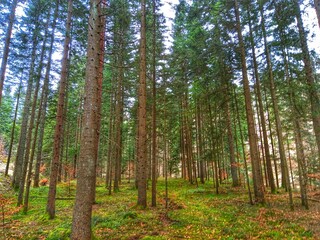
193 213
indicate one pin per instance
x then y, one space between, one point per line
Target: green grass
193 213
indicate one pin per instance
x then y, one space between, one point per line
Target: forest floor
193 213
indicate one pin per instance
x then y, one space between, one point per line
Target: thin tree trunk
13 128
30 131
43 109
255 161
28 180
59 117
261 111
310 79
200 147
7 45
242 146
18 168
154 112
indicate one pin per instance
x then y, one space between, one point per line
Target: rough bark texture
81 224
255 161
142 121
7 45
58 134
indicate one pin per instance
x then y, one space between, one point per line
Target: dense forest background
229 93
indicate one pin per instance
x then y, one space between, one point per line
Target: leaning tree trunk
82 212
59 117
255 161
7 45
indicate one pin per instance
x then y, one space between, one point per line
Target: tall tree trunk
99 84
233 163
142 133
13 128
59 117
261 111
255 161
242 146
18 166
33 149
154 112
7 45
27 158
310 79
29 135
43 108
213 144
81 224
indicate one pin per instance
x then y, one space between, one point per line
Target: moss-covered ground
192 213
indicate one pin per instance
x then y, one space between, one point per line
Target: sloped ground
193 213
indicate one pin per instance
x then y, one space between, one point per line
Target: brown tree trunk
262 114
233 163
213 144
255 161
7 45
43 108
311 83
18 166
13 128
59 117
29 134
81 224
154 112
242 146
142 128
200 143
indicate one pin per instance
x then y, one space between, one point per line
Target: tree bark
261 110
154 111
142 133
18 166
81 224
13 128
59 117
310 79
255 161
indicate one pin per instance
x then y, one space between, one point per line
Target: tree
81 223
7 45
255 161
59 117
142 118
